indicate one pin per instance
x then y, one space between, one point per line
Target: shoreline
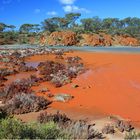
98 49
108 88
103 74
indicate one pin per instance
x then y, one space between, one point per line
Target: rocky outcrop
125 41
107 39
65 38
103 39
90 40
70 38
95 40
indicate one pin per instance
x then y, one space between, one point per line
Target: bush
15 87
60 74
132 135
3 113
25 103
81 130
74 129
12 128
57 118
50 131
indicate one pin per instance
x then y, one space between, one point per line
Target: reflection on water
135 84
123 49
32 64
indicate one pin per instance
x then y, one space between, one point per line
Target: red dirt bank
69 38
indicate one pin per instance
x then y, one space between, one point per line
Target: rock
44 90
90 40
103 39
123 126
50 95
123 40
64 38
75 86
63 97
108 129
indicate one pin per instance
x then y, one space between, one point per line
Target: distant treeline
128 26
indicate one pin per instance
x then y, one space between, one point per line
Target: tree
97 24
2 27
71 18
11 27
50 24
87 24
107 23
27 28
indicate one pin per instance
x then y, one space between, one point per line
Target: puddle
135 84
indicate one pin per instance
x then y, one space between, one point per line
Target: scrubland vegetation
28 33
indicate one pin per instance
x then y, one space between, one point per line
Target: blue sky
17 12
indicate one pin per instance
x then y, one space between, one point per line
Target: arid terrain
110 86
106 89
70 69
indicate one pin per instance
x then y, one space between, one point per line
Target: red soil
111 86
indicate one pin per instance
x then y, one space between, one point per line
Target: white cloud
69 6
73 8
37 11
67 1
51 13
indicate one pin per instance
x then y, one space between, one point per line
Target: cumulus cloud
69 6
67 1
51 13
73 8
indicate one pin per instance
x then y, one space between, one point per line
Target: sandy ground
110 86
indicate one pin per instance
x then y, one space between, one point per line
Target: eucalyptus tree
71 19
2 27
50 24
27 28
87 24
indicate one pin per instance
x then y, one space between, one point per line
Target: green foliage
2 27
50 131
132 135
10 35
50 24
71 18
87 24
114 26
58 23
27 28
3 113
12 128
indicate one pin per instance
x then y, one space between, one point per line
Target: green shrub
132 135
12 128
3 113
50 131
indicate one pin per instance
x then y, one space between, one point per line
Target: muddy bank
110 87
69 38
